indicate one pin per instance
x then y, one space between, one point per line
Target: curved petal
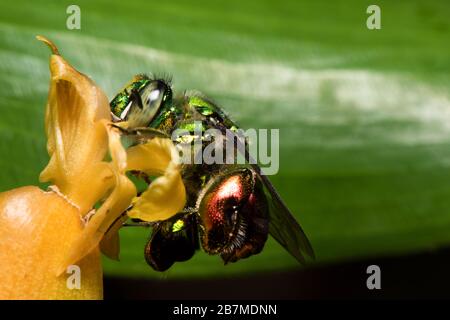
166 195
77 141
152 157
79 137
112 208
110 244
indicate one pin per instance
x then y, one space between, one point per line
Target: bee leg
150 133
140 223
122 219
141 133
245 251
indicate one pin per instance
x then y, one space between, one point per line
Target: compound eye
153 97
140 101
155 94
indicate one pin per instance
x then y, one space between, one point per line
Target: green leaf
364 116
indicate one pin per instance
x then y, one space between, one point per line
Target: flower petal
79 136
36 229
166 195
152 157
112 208
77 141
110 244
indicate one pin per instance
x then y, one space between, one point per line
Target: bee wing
283 226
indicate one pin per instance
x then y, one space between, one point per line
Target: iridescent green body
231 207
188 109
184 112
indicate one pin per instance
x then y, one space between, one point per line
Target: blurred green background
364 115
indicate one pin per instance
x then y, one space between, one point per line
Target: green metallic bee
230 209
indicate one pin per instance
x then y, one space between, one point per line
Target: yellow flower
157 202
36 229
43 233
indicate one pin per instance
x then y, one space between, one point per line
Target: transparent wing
283 226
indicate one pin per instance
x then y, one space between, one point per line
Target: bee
230 209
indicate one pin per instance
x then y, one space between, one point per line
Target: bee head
139 102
